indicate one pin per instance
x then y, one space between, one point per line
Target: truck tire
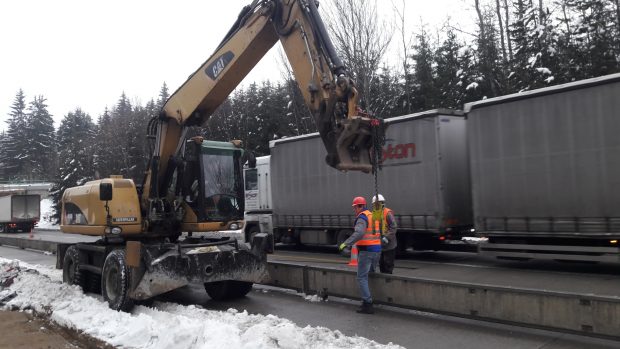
252 232
227 290
115 279
71 273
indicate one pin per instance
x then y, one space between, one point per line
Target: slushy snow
164 325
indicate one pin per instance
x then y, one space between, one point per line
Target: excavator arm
327 89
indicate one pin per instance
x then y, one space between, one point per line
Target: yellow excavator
193 185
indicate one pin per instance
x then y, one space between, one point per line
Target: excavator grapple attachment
353 145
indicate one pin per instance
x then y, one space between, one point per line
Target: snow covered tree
104 157
534 36
489 80
75 155
40 149
450 89
14 143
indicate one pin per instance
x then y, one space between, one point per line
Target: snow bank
47 210
166 325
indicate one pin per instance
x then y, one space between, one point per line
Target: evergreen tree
596 35
535 61
15 141
424 89
388 95
163 96
450 89
40 151
75 144
489 81
104 156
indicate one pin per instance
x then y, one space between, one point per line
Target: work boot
366 308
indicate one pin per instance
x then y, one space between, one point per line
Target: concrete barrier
566 312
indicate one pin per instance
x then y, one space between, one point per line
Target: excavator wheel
71 273
227 290
115 279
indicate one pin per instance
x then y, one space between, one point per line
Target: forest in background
518 45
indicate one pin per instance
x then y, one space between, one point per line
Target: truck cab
258 204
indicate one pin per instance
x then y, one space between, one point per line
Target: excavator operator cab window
223 187
73 215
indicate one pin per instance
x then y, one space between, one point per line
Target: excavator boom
327 89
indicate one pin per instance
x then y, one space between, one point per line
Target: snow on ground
165 325
46 215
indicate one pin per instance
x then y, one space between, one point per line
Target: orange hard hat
358 200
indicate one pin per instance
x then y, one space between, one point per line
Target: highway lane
583 278
410 329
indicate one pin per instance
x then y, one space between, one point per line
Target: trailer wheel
71 273
115 279
227 290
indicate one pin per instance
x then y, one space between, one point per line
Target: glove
342 246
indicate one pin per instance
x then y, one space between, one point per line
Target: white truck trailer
425 180
19 212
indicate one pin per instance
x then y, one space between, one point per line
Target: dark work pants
386 262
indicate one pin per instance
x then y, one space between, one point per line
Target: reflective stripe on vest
369 238
386 211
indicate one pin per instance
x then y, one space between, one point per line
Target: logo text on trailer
399 151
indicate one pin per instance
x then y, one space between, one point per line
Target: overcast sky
87 53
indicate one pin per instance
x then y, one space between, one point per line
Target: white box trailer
19 212
546 172
425 180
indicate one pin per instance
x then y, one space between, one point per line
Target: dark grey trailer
546 171
425 180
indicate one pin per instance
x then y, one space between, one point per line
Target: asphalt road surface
410 329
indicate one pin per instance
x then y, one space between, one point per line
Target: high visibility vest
383 223
370 237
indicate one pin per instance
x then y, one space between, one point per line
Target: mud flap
171 266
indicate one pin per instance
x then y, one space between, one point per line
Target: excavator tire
71 273
115 279
227 290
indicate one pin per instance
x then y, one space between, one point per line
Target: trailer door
25 207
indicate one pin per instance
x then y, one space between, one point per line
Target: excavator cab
213 183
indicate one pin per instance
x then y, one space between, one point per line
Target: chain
378 140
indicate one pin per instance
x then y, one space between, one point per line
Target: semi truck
19 212
424 178
545 168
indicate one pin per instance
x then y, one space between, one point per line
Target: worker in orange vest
388 248
368 244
